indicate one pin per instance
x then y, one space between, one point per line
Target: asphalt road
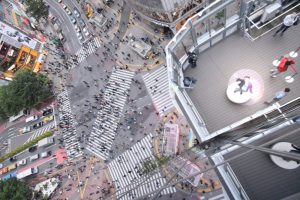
73 44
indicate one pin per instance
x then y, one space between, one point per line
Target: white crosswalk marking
158 87
72 145
88 48
126 173
106 123
41 130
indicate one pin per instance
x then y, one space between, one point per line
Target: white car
79 35
34 157
59 1
64 6
32 118
68 11
22 162
77 29
86 34
44 155
76 13
25 130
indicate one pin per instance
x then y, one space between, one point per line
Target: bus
27 172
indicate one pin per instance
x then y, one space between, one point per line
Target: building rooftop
259 176
237 55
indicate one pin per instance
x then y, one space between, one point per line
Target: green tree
26 90
15 190
37 9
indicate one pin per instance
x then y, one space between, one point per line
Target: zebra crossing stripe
40 131
72 146
124 172
158 87
102 137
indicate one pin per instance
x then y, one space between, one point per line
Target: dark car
32 149
38 125
47 111
13 159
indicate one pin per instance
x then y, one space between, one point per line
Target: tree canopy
37 9
14 189
26 90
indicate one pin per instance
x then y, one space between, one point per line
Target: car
32 149
76 13
47 111
77 29
38 125
48 119
99 10
22 162
13 159
68 11
59 1
73 20
44 155
32 118
34 157
79 35
81 23
25 130
86 34
64 6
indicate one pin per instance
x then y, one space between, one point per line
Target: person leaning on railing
288 21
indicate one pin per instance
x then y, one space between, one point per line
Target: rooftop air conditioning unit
270 12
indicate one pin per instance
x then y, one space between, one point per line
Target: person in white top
288 21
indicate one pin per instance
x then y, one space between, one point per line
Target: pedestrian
278 96
283 66
288 21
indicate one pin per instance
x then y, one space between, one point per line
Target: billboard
17 35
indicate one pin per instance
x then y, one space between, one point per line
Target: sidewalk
129 59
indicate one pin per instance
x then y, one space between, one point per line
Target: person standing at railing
288 21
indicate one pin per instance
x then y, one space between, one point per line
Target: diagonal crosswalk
88 48
40 131
158 87
107 121
72 145
126 173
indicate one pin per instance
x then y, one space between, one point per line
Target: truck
46 142
27 172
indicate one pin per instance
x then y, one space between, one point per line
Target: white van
44 154
32 118
34 157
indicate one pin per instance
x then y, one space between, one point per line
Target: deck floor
217 65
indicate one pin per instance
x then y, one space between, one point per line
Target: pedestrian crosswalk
41 130
158 87
66 118
88 48
126 173
107 121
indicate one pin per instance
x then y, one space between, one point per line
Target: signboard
17 35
